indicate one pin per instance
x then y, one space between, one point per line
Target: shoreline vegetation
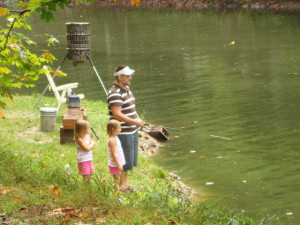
40 183
194 5
253 5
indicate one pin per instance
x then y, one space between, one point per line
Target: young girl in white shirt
84 144
115 153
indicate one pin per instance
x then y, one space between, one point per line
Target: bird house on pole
78 42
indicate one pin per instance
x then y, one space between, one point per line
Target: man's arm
116 111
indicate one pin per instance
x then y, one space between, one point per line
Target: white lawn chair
65 89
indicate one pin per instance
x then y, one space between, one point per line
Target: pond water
226 85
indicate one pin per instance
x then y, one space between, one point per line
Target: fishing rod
193 132
199 133
95 133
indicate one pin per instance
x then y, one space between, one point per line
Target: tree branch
20 12
12 25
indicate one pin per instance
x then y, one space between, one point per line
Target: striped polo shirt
118 96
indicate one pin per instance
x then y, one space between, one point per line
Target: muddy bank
277 5
149 146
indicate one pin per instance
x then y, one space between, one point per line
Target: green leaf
52 6
30 85
4 70
22 4
17 85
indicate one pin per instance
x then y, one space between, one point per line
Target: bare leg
124 179
117 182
87 177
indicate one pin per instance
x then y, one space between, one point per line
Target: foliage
19 66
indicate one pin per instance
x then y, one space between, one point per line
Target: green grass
35 187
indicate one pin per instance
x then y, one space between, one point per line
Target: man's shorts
85 168
130 144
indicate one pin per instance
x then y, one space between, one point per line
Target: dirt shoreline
275 5
149 146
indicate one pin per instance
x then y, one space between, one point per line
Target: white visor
126 71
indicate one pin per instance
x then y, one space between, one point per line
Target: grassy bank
36 188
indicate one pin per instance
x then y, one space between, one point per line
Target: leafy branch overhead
19 66
21 60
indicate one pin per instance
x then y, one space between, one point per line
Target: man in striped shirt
121 106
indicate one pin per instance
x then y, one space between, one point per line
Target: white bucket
48 118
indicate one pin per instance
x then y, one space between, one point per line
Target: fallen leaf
55 192
172 221
192 107
72 215
174 153
105 212
84 215
42 165
254 139
17 199
66 219
289 213
232 43
5 191
261 134
192 151
182 127
100 220
220 157
176 136
64 209
209 183
201 157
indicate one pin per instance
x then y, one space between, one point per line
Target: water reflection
233 75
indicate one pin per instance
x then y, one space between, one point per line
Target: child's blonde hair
81 129
112 126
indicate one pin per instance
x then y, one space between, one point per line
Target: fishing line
199 133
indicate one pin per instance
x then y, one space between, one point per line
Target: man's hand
139 123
